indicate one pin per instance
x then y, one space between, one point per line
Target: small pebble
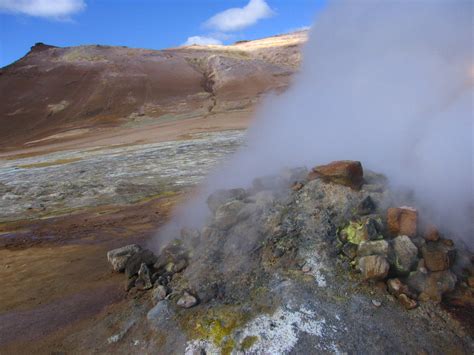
376 303
306 268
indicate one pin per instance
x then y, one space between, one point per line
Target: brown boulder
373 267
438 256
432 234
402 221
343 172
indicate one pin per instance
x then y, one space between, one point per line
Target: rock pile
146 271
293 244
414 267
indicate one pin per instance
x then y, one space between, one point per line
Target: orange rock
407 302
343 172
438 256
432 234
373 267
402 221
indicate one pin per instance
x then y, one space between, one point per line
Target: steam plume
386 83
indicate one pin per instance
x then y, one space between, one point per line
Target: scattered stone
376 303
220 197
159 293
118 257
375 247
227 214
396 287
407 302
350 250
405 254
136 260
306 268
374 267
344 172
366 206
187 300
432 234
402 221
438 256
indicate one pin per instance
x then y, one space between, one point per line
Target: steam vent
327 259
181 179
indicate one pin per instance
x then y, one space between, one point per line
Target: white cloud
55 9
238 18
201 40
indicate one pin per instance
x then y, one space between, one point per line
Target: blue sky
152 24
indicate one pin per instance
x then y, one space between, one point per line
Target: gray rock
143 281
136 260
159 293
228 214
350 250
373 247
373 267
162 311
220 197
187 300
405 255
366 206
373 227
118 257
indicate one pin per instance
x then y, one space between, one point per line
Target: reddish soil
55 276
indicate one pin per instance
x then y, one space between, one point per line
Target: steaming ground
391 87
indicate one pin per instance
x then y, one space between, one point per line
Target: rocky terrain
301 261
98 145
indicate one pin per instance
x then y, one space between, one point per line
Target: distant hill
53 90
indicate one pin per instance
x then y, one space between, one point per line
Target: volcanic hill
55 93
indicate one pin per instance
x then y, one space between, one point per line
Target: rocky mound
299 262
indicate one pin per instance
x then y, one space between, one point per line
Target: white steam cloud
55 9
239 18
389 84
